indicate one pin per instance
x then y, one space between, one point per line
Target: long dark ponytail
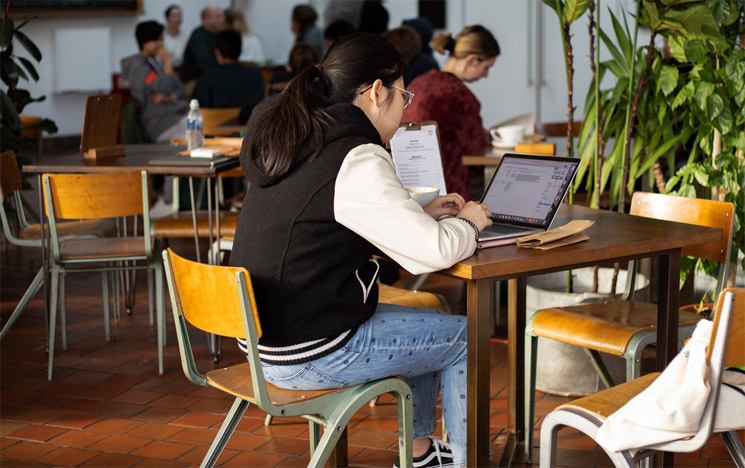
297 114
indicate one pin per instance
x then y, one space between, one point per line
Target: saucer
500 144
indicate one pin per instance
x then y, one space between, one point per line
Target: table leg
516 366
479 310
667 322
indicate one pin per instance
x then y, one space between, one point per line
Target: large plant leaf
714 105
723 121
735 68
695 22
552 3
668 79
8 112
650 15
622 37
695 50
6 34
29 67
573 9
677 44
619 60
703 90
29 45
8 71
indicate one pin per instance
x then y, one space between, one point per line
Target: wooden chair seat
181 225
406 297
88 227
600 405
237 381
112 247
606 327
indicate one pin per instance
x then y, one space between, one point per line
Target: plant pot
564 369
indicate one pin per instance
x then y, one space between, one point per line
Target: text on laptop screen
527 190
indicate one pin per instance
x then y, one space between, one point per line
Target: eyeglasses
407 95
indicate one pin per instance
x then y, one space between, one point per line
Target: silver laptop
525 193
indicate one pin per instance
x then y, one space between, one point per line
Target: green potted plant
14 68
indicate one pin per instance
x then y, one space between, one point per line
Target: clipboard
416 152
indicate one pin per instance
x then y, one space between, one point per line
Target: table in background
614 237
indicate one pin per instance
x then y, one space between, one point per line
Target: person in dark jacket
199 55
424 61
230 84
323 199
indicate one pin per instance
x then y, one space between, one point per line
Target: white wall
509 90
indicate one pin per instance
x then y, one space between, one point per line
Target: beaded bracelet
475 229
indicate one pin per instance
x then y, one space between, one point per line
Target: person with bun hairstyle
323 199
443 97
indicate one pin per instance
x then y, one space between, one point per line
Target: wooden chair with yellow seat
101 196
29 234
213 117
726 349
540 148
220 300
626 327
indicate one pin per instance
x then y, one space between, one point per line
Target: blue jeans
426 347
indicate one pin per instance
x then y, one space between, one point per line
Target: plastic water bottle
194 126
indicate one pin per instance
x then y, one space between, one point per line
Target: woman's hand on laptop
477 213
449 204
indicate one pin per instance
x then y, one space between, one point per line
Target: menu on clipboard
416 154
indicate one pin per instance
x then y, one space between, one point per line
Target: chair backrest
218 300
726 349
557 129
96 196
213 117
544 149
10 186
696 211
101 122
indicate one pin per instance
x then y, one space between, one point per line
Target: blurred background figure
302 56
424 61
303 25
251 50
406 41
199 55
373 17
443 97
229 84
336 30
158 93
174 40
344 10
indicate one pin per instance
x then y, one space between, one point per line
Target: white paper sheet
416 155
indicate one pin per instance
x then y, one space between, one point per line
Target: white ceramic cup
507 135
423 195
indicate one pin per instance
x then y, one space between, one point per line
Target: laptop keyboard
504 229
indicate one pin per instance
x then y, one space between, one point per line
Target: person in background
157 92
406 41
373 17
229 84
424 61
336 30
174 40
443 97
199 55
302 56
251 50
303 25
344 10
323 199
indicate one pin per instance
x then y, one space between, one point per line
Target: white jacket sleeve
370 200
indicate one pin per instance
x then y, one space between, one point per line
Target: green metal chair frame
220 300
643 337
29 235
726 348
132 187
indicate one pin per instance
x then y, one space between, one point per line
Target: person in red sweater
442 96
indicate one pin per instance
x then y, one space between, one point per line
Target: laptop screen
527 189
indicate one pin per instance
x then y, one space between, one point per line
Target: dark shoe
438 455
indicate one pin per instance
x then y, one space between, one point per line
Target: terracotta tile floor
108 407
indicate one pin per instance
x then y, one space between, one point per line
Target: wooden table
232 127
614 237
137 157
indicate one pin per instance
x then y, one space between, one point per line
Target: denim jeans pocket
302 376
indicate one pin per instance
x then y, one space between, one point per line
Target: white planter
564 369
